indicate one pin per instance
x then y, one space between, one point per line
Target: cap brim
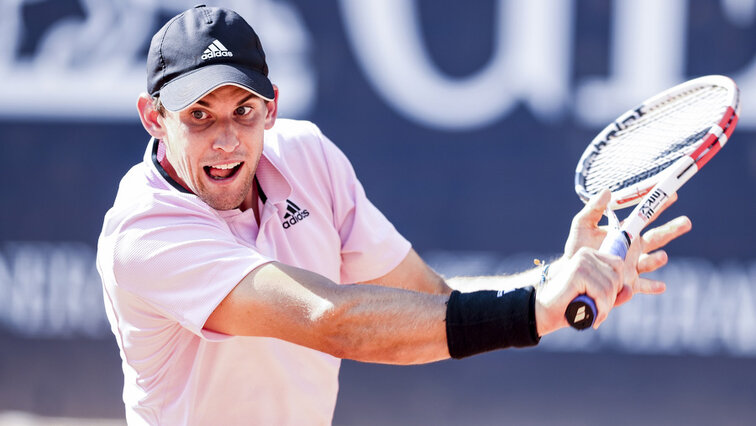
189 88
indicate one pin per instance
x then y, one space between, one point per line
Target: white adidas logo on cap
215 50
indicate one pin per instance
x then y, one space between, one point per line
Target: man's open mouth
223 171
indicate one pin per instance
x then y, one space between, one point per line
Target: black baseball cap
202 49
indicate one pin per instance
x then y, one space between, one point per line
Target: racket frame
651 193
713 140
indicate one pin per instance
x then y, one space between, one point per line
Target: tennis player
241 259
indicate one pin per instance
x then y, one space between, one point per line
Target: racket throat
614 222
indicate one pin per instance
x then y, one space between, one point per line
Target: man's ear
270 118
149 116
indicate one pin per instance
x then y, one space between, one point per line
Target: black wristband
482 321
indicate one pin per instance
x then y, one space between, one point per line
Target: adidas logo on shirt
293 215
215 50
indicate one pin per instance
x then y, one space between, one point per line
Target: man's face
215 144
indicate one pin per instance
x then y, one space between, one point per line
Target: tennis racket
647 154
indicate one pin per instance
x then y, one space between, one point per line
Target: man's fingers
647 286
594 209
644 285
659 237
652 261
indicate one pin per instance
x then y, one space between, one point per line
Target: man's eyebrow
206 104
246 98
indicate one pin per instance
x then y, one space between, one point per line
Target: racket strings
664 133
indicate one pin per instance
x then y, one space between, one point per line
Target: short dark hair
158 105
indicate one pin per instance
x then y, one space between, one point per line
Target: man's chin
223 205
227 197
222 202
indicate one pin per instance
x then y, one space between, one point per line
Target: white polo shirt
167 260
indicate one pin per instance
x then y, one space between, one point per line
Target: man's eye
243 110
198 115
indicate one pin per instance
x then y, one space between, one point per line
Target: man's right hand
588 271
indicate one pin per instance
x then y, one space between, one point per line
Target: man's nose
227 141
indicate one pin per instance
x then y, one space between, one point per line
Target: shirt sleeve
370 245
181 259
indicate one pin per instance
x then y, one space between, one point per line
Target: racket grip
581 312
616 243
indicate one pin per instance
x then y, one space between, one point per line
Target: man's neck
163 160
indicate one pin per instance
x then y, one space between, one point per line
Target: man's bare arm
361 322
373 323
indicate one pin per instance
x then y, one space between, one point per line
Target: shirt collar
274 185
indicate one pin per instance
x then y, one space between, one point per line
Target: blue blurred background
464 121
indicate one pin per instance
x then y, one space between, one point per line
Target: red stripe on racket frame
711 144
634 196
